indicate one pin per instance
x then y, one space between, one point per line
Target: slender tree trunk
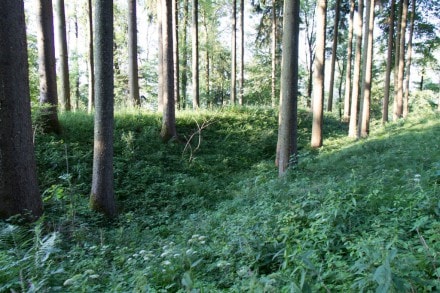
195 54
396 54
77 92
288 122
169 119
133 75
102 197
241 68
347 96
334 56
184 81
160 82
63 55
234 53
386 98
364 115
409 61
176 53
91 61
352 130
398 104
318 78
19 192
47 72
207 57
274 53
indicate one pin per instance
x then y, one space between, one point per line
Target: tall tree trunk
176 53
398 104
234 53
63 55
288 122
318 76
169 119
184 82
102 197
396 54
160 53
364 115
133 75
386 98
77 92
207 57
195 54
352 130
274 53
241 67
347 96
409 61
47 72
334 56
91 61
19 192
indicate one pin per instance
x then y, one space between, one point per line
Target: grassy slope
352 216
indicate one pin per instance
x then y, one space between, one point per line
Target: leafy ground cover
207 212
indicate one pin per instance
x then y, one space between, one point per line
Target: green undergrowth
207 212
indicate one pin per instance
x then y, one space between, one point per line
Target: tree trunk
398 102
347 96
234 53
63 55
288 123
91 61
364 115
133 75
47 72
195 54
77 92
334 56
274 53
318 75
19 192
169 120
184 82
386 98
160 53
241 68
102 197
409 61
352 130
176 54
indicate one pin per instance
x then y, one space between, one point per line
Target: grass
211 215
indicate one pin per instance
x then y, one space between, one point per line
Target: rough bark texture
398 102
386 98
63 56
318 75
347 97
169 120
409 61
234 53
133 75
102 197
334 56
19 192
287 130
91 61
195 54
46 69
352 129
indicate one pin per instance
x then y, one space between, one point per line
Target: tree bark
347 96
195 55
47 72
160 53
169 120
241 67
288 123
102 197
318 76
184 81
274 53
398 102
133 75
91 61
176 53
409 61
334 56
352 129
19 192
63 56
234 53
386 98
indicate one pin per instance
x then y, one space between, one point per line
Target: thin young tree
334 56
318 75
184 59
274 53
398 99
347 96
19 192
46 67
102 197
168 120
288 123
390 46
133 75
160 81
63 55
352 128
241 64
234 53
195 54
176 54
91 59
409 60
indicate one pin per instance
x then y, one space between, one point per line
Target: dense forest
210 146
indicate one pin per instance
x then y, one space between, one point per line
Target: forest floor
208 212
